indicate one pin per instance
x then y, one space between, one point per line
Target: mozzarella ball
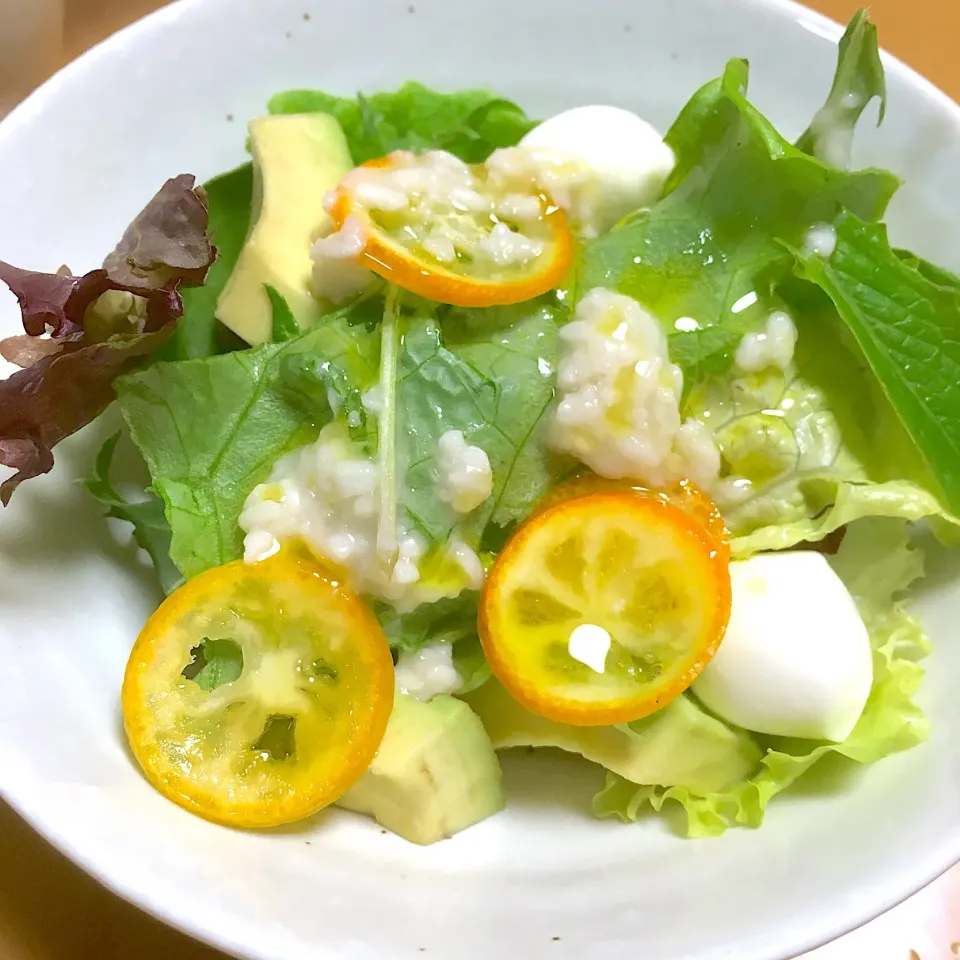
796 659
626 158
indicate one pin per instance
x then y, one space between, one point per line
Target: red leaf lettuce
83 332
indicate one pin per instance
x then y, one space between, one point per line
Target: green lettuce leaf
708 257
907 326
858 80
877 563
471 664
793 470
898 499
285 326
470 123
150 528
211 430
708 260
334 378
782 449
938 275
450 620
802 450
214 662
487 373
680 745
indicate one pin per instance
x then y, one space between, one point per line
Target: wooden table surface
50 910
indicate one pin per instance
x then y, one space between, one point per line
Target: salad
467 432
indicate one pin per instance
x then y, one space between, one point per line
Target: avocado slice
297 158
435 774
680 745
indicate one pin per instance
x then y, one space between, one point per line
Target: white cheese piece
626 158
820 240
618 398
466 479
327 493
427 672
337 273
771 348
796 658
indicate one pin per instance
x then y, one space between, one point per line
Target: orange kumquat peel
603 608
258 693
397 241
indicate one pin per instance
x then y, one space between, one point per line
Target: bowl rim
924 871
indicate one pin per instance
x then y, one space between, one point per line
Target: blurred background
49 909
39 36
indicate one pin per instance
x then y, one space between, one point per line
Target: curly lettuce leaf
896 499
57 395
103 323
793 470
54 301
858 80
680 745
877 563
150 528
707 259
166 244
807 450
781 448
470 123
24 351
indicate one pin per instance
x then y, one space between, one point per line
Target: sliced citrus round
604 608
258 693
683 493
452 232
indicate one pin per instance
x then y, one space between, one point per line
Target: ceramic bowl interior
542 880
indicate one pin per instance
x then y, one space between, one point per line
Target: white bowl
170 95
